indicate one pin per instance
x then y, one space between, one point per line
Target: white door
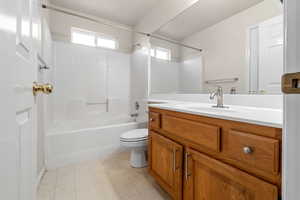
271 55
8 138
291 136
25 75
18 71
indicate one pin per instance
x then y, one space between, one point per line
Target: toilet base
138 157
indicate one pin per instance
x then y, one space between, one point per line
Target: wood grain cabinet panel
202 134
255 151
209 179
166 164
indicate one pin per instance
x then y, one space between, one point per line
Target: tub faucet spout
134 115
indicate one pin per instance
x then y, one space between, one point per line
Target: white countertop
260 116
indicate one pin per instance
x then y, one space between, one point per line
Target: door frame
291 127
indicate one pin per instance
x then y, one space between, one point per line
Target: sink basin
211 109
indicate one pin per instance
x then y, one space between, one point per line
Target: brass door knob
44 88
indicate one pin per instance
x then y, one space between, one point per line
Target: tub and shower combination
90 106
76 140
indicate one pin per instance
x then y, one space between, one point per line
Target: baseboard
77 157
40 176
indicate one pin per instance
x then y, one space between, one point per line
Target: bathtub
73 141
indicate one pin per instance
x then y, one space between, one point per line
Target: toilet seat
136 135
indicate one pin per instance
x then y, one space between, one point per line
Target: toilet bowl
137 140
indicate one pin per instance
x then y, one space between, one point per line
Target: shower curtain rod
116 26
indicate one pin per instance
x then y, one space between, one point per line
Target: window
93 39
106 43
161 53
83 37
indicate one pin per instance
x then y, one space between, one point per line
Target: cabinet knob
248 150
152 119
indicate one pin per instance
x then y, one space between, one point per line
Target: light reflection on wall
8 23
35 30
25 28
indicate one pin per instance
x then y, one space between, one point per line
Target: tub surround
253 115
198 152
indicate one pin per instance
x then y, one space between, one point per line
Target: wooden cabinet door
165 164
209 179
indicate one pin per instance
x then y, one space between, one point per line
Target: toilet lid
135 135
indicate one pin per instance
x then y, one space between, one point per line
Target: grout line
55 185
75 182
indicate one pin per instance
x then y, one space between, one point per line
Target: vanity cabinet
195 157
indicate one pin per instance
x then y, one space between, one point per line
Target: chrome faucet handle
220 99
212 93
218 91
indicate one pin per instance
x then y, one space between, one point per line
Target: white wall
176 77
224 44
164 76
85 77
139 79
61 25
191 76
48 75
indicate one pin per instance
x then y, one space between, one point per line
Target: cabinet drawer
154 120
255 151
198 133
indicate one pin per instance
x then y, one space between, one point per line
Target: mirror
242 49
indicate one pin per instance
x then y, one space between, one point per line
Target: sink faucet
220 99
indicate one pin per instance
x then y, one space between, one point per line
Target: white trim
248 55
291 136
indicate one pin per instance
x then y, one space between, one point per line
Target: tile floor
108 179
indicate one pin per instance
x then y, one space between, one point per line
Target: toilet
137 140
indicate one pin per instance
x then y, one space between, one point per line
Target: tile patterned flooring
108 179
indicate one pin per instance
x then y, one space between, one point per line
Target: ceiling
126 12
203 14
